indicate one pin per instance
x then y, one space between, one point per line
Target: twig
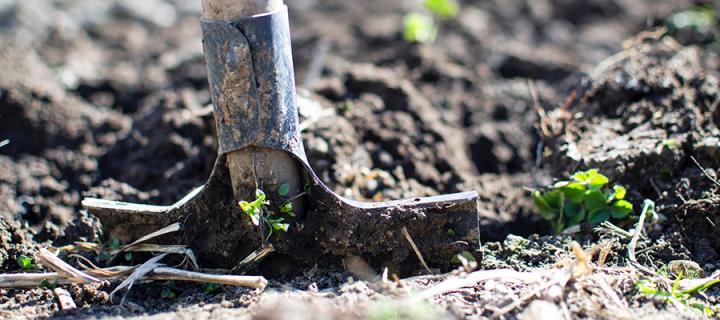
538 108
35 280
479 276
705 172
169 229
138 273
255 257
65 301
51 261
415 248
648 205
614 297
163 273
4 142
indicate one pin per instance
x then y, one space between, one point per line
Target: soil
109 99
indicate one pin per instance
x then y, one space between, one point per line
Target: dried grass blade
49 260
139 272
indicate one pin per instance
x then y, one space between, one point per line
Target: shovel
251 77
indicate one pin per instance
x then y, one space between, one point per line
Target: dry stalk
417 251
49 260
138 273
36 280
705 172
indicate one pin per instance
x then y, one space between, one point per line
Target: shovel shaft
231 9
254 167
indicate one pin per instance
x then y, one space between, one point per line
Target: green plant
442 8
26 263
258 211
585 197
423 27
465 254
699 19
677 296
283 189
418 27
167 293
47 285
209 288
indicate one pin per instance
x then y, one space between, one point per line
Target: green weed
418 27
585 198
700 19
26 263
677 296
422 27
209 288
258 211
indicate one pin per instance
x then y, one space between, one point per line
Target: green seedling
418 27
258 212
442 8
287 208
113 244
209 288
450 232
26 263
699 19
422 27
585 198
465 254
47 285
283 189
670 143
677 296
167 293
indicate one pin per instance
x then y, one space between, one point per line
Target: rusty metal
252 83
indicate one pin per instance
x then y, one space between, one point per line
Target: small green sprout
442 8
113 244
26 263
450 232
259 206
670 143
47 285
586 197
254 209
287 208
209 288
699 19
677 296
128 256
167 293
283 189
423 27
465 254
418 27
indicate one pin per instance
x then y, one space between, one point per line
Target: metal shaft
253 167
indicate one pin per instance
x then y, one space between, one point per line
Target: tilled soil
110 99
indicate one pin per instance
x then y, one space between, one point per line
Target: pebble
541 309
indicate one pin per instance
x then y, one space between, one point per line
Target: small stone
689 269
541 309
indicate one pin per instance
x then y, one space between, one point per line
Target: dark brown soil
110 99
